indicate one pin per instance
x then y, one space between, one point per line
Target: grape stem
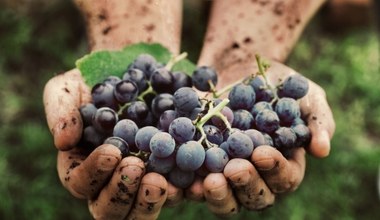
213 111
146 92
263 67
227 88
175 59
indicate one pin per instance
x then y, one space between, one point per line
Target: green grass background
36 44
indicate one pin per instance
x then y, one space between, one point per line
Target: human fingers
150 197
219 196
85 176
117 197
320 120
195 191
63 95
280 174
250 189
175 195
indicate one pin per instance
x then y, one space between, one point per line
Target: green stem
262 71
121 109
227 88
175 59
212 112
146 92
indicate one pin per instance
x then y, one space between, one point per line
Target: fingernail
151 193
265 164
218 193
320 144
240 178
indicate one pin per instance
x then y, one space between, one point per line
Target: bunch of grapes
155 114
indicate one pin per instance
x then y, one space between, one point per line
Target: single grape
216 159
295 86
92 137
145 63
166 119
284 138
257 84
161 103
228 114
256 136
185 100
190 156
213 134
303 135
126 129
102 96
298 121
202 76
242 96
182 129
121 144
181 79
162 80
137 111
160 165
287 110
138 77
267 121
259 106
265 95
143 137
243 119
87 111
224 146
162 144
181 179
126 91
104 120
239 145
268 139
113 80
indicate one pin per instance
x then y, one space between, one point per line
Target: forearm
112 24
239 29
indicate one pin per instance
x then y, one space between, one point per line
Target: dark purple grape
126 129
267 121
190 156
243 119
182 129
162 80
284 138
185 100
145 63
256 136
118 142
259 106
137 111
303 135
87 111
268 139
143 137
166 119
295 86
126 91
181 79
202 76
216 159
104 120
239 145
102 96
113 80
228 113
162 144
242 97
92 137
287 110
160 165
213 134
181 179
161 103
138 77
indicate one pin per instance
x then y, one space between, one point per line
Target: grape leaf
96 66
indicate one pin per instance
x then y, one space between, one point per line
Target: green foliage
100 64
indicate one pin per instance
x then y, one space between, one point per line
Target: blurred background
339 50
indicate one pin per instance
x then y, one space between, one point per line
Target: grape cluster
155 114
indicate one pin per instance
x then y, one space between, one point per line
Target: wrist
114 24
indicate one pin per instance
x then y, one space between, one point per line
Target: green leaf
98 65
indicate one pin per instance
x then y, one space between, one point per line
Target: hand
254 184
115 188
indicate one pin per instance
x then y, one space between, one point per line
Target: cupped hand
115 187
254 183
